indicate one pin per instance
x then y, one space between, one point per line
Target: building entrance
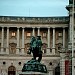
11 70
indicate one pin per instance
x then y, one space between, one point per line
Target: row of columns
33 33
53 46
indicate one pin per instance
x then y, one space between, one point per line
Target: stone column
53 48
39 31
2 45
17 49
48 49
33 33
63 38
7 49
23 41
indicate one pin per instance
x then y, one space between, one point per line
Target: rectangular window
13 34
59 34
28 35
44 35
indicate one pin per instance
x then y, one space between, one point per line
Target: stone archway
11 70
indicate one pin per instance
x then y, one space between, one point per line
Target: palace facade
55 32
15 34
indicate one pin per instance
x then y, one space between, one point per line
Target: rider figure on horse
35 47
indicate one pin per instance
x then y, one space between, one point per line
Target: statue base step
32 73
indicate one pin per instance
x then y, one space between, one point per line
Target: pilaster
63 38
17 49
38 31
33 32
53 48
7 49
23 41
2 45
48 49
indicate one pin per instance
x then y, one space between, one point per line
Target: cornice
34 20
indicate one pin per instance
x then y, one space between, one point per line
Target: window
28 35
19 63
59 34
50 63
13 34
44 34
4 63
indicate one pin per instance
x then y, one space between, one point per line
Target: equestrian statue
35 64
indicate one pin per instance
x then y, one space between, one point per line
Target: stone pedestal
34 66
32 73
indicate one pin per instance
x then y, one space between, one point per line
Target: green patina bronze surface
34 64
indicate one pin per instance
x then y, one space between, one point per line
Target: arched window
11 70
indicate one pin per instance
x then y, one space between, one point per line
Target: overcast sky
33 8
